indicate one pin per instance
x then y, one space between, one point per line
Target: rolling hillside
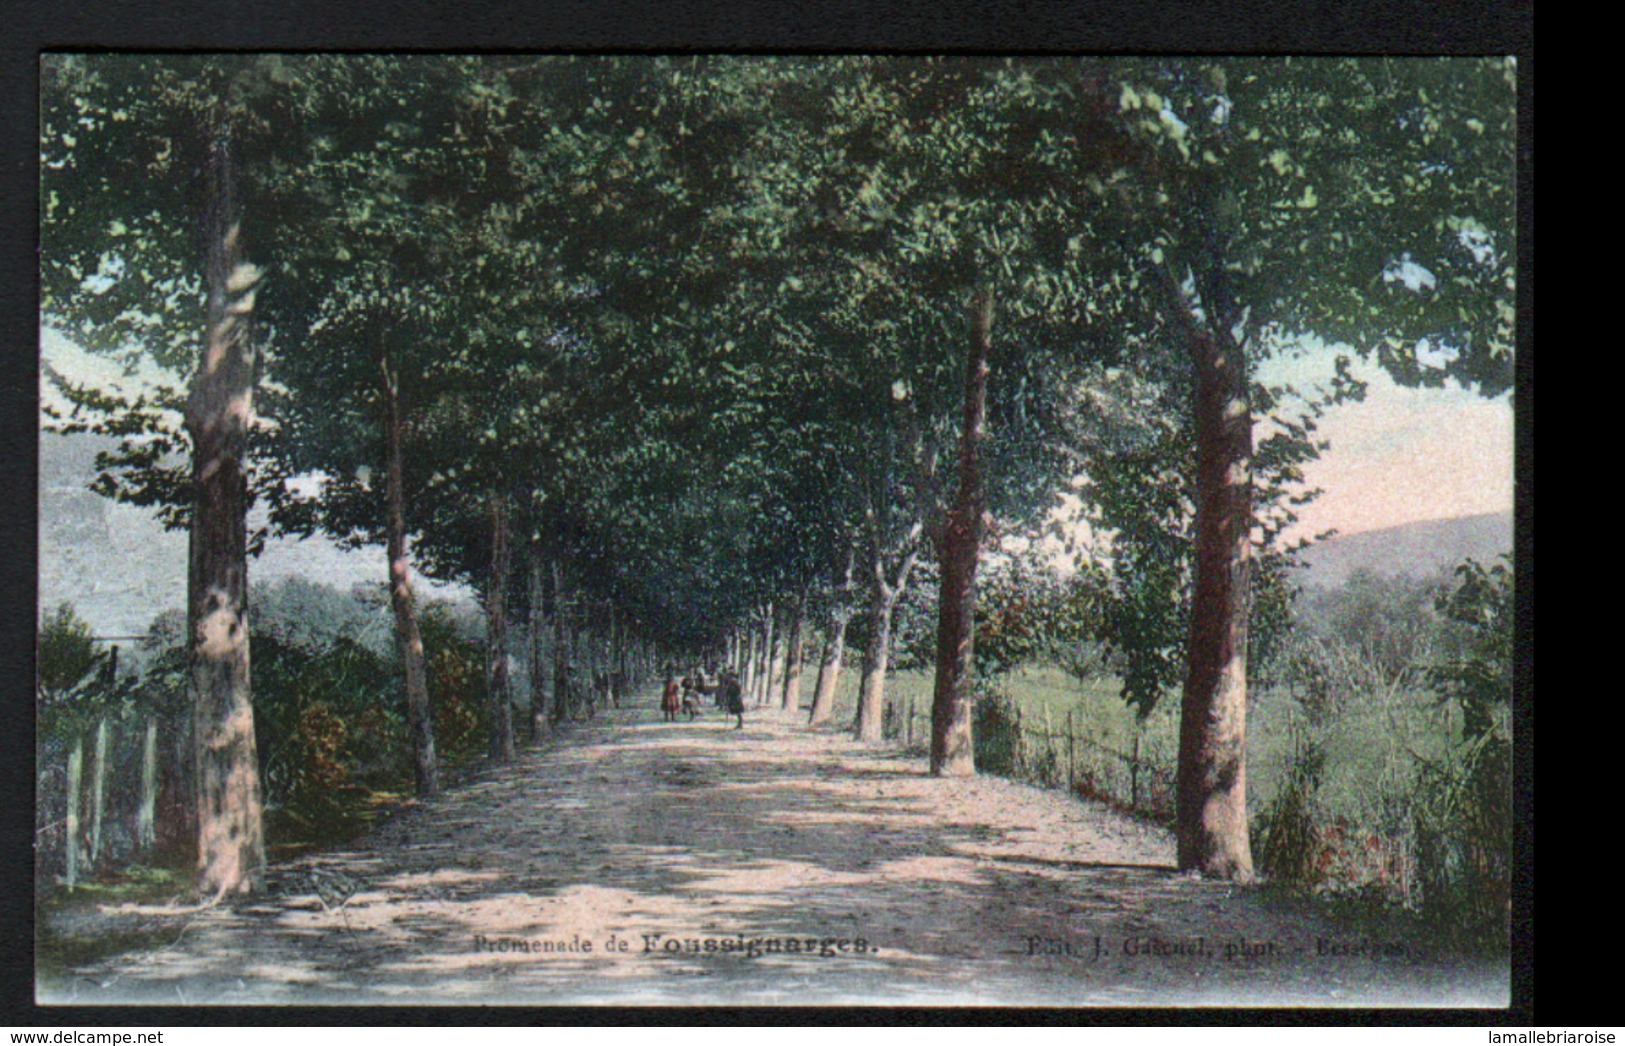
1417 549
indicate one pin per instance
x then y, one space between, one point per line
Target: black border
1418 27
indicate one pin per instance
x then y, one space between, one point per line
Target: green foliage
325 718
996 733
76 681
1480 681
67 653
456 667
1371 787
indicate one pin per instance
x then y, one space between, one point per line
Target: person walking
670 702
734 698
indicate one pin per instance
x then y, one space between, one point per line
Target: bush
1289 847
456 670
324 719
996 732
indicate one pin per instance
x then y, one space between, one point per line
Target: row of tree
730 345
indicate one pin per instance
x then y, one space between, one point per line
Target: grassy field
1371 747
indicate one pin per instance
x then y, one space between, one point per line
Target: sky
1403 455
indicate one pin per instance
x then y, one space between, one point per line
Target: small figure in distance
735 700
669 702
689 704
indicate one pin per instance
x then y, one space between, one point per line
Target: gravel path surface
632 861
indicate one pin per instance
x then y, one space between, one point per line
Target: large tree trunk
496 635
1212 784
231 843
408 637
952 753
795 652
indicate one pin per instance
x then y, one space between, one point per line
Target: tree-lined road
968 891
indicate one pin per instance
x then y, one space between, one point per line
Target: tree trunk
781 653
145 835
795 651
829 666
876 655
771 640
952 753
561 649
749 645
1212 786
176 825
829 671
885 593
496 635
408 637
231 843
536 633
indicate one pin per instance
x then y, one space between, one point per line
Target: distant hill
1416 549
120 568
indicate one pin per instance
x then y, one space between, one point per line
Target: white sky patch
1478 241
1172 122
1404 455
135 377
1436 357
1415 277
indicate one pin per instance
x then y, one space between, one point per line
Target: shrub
996 731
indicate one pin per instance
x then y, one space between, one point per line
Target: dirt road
632 861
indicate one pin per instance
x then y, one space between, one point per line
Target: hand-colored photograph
723 530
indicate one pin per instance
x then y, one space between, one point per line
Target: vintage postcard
776 530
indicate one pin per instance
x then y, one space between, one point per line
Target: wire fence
1057 752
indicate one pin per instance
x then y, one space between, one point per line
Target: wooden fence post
145 834
1071 755
908 726
98 790
1134 776
76 762
1049 741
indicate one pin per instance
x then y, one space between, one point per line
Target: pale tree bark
408 637
952 751
770 654
219 410
829 665
1212 780
884 593
502 748
829 671
749 645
